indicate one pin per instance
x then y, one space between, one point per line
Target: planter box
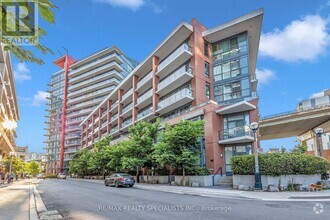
154 179
246 182
201 180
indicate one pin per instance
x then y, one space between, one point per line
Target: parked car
61 176
41 176
119 179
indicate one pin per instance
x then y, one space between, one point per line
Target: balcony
145 114
128 94
114 106
94 80
104 114
175 80
72 128
114 118
181 55
72 143
90 65
79 112
127 110
254 83
87 103
114 131
71 150
243 106
96 129
113 82
104 125
126 123
144 83
104 135
144 100
241 134
174 101
82 98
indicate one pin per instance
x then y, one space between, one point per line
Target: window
208 90
232 68
206 48
207 69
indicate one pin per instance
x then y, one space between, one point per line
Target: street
76 199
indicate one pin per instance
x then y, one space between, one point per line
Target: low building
22 152
273 150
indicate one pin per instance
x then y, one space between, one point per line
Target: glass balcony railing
92 79
174 55
114 117
96 129
68 143
113 130
104 113
107 89
175 97
127 108
97 85
86 103
144 80
128 93
174 76
114 105
96 61
235 132
144 96
144 113
103 135
126 122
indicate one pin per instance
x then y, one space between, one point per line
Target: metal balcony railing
174 76
128 93
235 132
97 85
86 103
127 108
114 117
175 97
174 55
107 89
126 122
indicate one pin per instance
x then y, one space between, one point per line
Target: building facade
315 144
195 73
22 152
9 114
74 92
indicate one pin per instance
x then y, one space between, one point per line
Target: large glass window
232 90
230 47
231 68
208 90
207 69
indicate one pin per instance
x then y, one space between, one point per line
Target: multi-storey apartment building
317 145
9 113
77 90
195 73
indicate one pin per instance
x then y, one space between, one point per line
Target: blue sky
293 59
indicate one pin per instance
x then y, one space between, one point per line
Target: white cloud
156 8
317 94
131 4
40 98
21 72
301 40
264 76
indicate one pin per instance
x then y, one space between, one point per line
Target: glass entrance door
232 151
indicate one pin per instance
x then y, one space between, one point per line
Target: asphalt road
76 199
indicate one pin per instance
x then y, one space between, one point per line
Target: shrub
51 176
277 164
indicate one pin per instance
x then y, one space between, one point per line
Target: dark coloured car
119 179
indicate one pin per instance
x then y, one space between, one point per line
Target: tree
139 149
79 163
22 54
33 168
178 145
299 149
18 165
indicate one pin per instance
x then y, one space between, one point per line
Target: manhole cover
277 205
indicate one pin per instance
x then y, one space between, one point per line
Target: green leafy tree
21 53
299 149
18 165
178 145
33 168
79 163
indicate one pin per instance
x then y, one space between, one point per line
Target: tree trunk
183 176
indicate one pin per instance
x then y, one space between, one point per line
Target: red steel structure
64 62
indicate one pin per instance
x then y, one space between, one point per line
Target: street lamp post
254 126
319 132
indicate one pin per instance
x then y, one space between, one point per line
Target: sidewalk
229 193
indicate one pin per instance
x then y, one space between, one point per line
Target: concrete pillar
155 82
134 98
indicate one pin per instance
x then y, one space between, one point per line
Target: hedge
277 164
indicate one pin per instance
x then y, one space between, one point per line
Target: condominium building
74 92
317 145
9 114
195 73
